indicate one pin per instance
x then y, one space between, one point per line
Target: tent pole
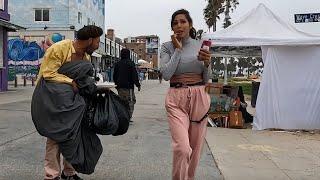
225 71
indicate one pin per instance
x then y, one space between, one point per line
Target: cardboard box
214 88
235 119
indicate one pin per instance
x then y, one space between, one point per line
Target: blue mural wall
25 56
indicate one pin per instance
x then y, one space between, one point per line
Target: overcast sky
152 17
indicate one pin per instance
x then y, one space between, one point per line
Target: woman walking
187 66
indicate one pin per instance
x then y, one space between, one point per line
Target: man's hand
75 87
139 88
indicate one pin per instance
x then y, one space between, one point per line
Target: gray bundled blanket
57 113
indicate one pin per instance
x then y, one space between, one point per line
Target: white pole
225 71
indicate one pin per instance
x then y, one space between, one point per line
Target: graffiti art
25 56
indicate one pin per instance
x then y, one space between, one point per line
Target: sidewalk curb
214 159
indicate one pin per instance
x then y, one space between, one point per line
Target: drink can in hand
206 44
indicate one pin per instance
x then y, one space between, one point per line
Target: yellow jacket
55 56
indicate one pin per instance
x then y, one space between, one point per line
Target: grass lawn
246 84
246 87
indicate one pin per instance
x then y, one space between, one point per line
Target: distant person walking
160 77
141 76
125 76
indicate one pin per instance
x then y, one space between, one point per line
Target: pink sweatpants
52 163
185 104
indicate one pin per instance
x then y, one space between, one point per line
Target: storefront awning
10 26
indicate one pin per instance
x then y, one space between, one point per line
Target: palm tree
229 5
242 64
217 65
199 33
251 66
260 64
211 13
232 66
259 59
216 7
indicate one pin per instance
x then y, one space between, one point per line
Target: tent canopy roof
261 27
141 61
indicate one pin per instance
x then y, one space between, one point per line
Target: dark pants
128 95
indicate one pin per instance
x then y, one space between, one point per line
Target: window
45 15
41 15
89 21
79 17
108 49
38 15
112 51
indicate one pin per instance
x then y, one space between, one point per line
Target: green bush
239 79
246 87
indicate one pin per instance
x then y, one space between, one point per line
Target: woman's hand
176 43
205 56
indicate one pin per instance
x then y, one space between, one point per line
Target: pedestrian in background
160 77
141 76
108 72
125 76
187 66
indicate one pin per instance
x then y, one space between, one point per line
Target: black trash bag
57 113
87 154
105 120
123 112
111 114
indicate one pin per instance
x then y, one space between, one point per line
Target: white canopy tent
289 94
141 61
261 27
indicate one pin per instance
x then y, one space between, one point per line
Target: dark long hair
192 32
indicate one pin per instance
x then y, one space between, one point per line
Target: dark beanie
125 54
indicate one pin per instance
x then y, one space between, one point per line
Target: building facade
58 15
113 47
47 22
5 27
147 48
